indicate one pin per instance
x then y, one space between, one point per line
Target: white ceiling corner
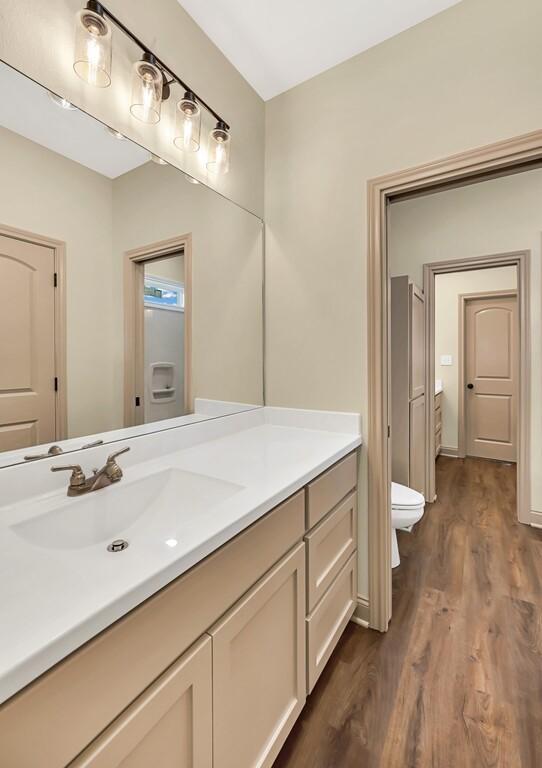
277 44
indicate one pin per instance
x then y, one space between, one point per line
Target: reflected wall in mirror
128 294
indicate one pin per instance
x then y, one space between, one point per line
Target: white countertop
52 600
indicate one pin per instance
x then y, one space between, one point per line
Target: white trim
451 453
361 614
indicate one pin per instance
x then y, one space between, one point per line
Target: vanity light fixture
147 90
92 56
151 82
187 123
218 160
60 102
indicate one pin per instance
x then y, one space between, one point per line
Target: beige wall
464 78
497 216
153 203
448 288
37 37
46 194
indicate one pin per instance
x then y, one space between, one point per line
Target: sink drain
117 546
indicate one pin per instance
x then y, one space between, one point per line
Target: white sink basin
160 507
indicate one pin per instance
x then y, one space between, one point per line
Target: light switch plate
446 360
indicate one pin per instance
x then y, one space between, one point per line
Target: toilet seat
407 506
405 498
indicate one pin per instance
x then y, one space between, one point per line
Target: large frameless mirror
131 296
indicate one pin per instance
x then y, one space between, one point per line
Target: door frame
520 260
134 261
501 158
61 369
522 364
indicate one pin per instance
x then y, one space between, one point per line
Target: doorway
158 331
33 402
480 269
500 159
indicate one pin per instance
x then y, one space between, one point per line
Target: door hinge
137 401
56 383
55 280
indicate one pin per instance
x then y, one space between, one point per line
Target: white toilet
406 510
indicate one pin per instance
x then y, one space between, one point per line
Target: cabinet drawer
329 545
67 707
259 668
326 623
327 490
171 724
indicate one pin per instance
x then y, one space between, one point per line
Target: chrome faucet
100 478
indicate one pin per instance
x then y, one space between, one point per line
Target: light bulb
60 101
187 123
147 85
116 134
92 56
218 160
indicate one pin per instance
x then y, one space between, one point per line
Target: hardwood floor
456 682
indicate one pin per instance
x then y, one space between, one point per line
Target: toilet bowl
407 507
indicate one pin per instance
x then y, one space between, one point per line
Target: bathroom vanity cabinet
214 669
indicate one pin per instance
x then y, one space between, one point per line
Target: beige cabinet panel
329 545
331 487
417 341
169 726
259 668
417 444
327 622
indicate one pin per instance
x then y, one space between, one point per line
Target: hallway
457 680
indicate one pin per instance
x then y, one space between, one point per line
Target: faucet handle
113 456
112 469
77 475
54 450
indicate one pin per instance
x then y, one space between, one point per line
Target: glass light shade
92 55
147 84
218 158
187 124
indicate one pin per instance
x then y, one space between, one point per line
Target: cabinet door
259 668
417 444
417 341
170 725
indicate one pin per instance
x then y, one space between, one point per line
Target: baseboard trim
537 522
451 453
361 614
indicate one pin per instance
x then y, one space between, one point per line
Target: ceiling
276 44
26 109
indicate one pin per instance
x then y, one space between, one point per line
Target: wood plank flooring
456 682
